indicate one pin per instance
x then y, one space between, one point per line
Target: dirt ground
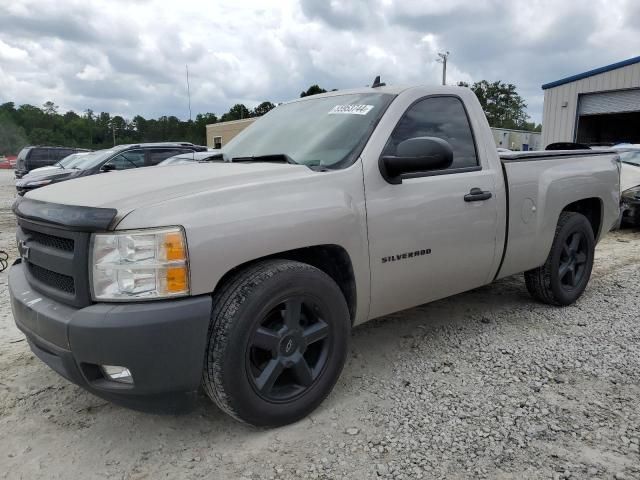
487 384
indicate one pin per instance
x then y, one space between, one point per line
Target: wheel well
331 259
590 208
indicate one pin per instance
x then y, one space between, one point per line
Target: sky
128 57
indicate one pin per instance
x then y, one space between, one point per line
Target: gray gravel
486 384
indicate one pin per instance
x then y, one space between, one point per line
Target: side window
39 155
60 153
217 142
441 117
159 154
126 160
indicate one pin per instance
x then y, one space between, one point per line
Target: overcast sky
129 57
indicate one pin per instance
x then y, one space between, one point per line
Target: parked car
184 158
66 162
122 157
246 276
629 184
31 158
5 163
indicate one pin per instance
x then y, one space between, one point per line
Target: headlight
140 264
632 193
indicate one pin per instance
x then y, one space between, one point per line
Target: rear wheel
564 276
277 342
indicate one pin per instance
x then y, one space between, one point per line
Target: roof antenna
377 83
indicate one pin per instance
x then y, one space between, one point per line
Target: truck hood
131 189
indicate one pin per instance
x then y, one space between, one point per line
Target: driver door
425 240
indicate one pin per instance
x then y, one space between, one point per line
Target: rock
352 431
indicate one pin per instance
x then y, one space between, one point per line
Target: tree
31 125
312 90
12 136
237 112
263 108
501 103
50 108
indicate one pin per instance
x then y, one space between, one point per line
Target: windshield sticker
351 109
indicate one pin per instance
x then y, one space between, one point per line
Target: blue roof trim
591 73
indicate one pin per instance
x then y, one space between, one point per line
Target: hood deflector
70 217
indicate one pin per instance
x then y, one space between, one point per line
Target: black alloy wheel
573 260
288 350
278 340
566 272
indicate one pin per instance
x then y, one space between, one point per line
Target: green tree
312 90
237 112
263 108
12 136
501 103
50 108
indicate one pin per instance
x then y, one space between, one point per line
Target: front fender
226 228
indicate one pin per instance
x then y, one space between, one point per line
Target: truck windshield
325 132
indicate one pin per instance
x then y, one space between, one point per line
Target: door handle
477 195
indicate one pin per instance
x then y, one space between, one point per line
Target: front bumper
162 343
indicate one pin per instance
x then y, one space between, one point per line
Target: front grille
53 279
50 241
56 261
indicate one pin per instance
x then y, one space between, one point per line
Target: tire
267 323
564 276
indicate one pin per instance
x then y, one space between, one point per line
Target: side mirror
107 167
419 154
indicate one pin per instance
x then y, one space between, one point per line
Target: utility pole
443 60
113 129
188 91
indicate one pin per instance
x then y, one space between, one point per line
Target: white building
517 139
601 106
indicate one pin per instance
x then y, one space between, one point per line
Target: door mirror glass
419 154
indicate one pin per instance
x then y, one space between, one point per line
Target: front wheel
277 342
564 276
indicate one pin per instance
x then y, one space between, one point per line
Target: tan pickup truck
246 275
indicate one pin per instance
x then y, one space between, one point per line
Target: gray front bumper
162 343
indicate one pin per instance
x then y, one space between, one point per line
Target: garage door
610 102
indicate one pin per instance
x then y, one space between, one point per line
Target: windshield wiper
274 157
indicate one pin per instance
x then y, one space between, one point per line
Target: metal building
598 107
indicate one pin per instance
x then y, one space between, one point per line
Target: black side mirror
419 154
107 167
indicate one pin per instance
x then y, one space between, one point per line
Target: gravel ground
487 384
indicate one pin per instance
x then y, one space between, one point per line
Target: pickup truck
245 275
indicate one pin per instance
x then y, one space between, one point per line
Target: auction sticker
350 109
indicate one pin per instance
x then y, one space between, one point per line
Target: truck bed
539 185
